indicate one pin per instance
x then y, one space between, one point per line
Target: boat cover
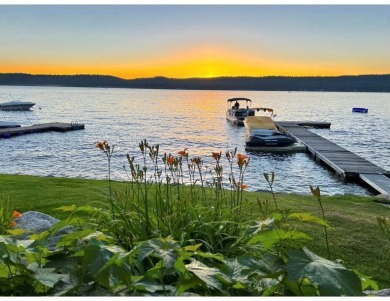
260 122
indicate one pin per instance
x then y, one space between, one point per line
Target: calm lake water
178 119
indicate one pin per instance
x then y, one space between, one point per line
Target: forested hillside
347 83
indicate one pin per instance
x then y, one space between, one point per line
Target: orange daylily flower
171 160
216 155
101 144
241 157
244 186
16 214
183 152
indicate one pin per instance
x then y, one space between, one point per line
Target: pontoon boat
238 109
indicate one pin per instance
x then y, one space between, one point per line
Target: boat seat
260 122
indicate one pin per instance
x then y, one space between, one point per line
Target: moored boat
263 135
238 109
16 105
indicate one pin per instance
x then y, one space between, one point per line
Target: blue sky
195 40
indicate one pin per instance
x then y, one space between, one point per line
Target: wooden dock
346 164
39 128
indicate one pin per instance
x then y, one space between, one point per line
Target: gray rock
35 221
382 293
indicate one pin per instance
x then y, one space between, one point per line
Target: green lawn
355 237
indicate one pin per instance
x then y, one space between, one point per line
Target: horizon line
195 77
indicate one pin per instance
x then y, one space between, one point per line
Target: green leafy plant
160 237
157 204
329 278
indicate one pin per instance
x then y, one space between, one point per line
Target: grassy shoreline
355 237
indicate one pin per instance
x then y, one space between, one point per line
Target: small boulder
37 222
381 293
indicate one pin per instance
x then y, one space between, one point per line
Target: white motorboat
16 105
263 135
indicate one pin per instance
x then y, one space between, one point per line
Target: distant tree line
346 83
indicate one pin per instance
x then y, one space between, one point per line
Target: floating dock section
39 128
346 164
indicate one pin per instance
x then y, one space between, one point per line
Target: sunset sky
181 41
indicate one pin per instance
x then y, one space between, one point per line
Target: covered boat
263 135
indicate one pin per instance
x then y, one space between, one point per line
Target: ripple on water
178 119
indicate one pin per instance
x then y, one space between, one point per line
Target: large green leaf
101 261
26 244
192 248
187 284
236 271
205 273
74 221
307 217
18 286
66 287
209 255
18 231
111 275
332 279
148 285
95 256
48 277
271 237
70 238
367 281
260 226
269 266
266 286
161 248
180 268
241 269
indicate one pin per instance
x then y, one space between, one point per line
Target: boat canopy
238 99
260 122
